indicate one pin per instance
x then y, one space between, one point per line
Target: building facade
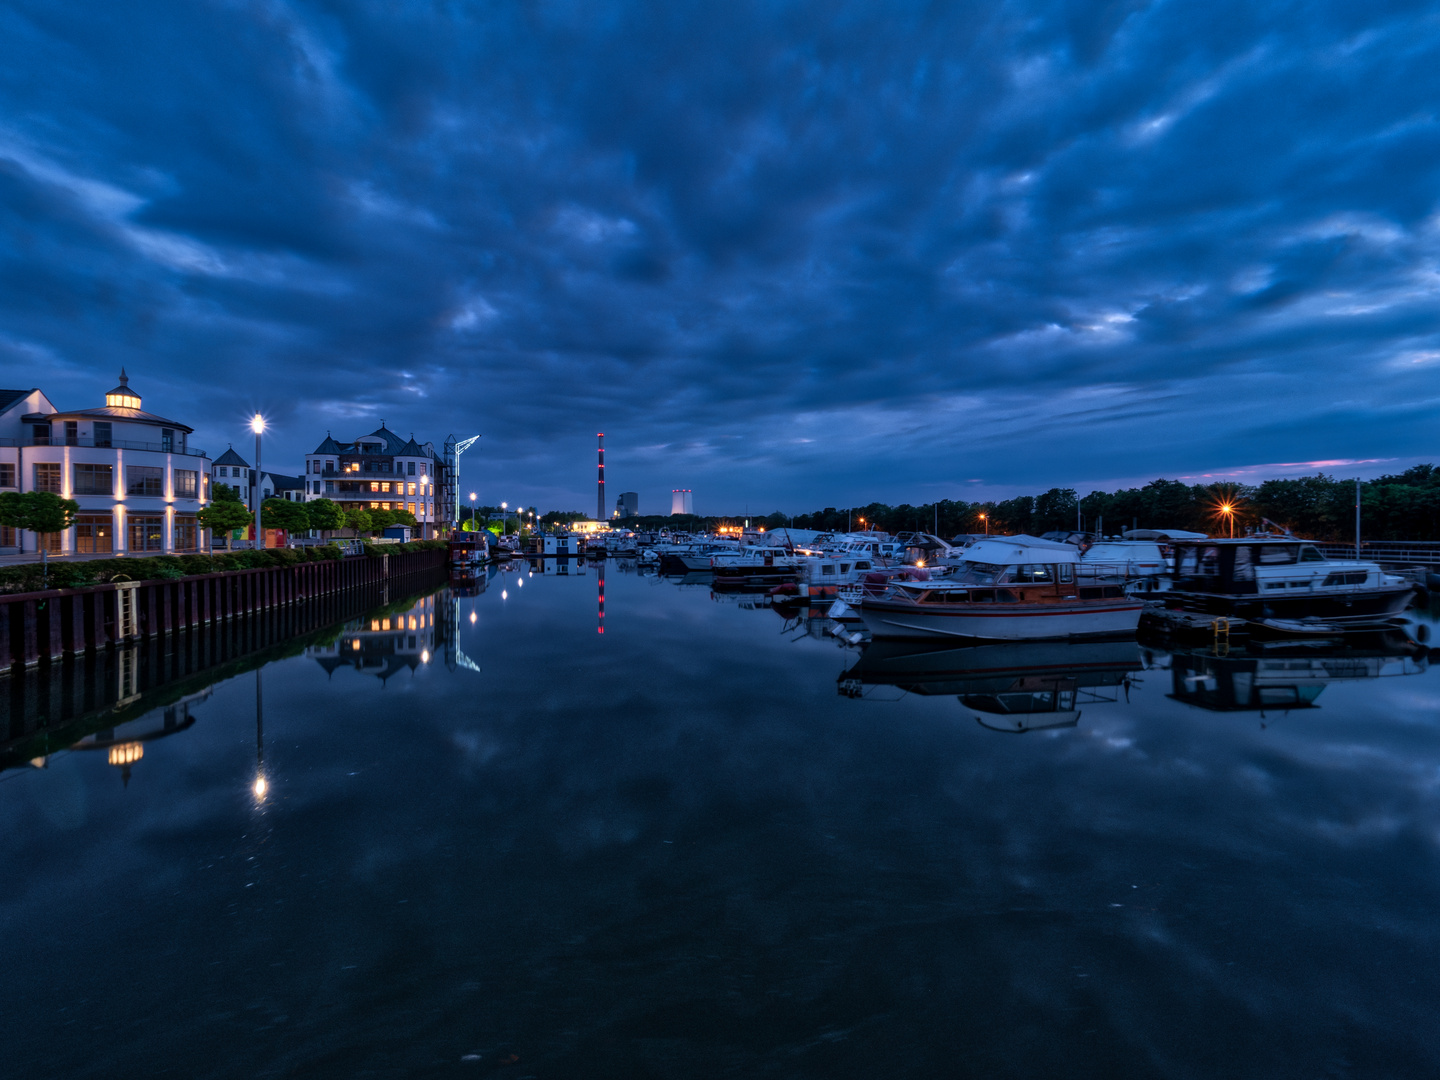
627 505
379 471
138 481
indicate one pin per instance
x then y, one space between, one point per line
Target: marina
712 834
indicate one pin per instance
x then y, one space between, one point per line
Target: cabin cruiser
1283 584
467 552
1140 564
1009 588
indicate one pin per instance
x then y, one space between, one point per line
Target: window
94 534
384 506
7 537
1279 554
167 439
329 487
72 433
47 478
410 469
411 508
147 533
1036 574
1349 577
422 468
41 433
102 434
374 506
375 485
1310 554
1067 573
7 475
222 471
94 480
51 542
186 532
144 480
187 483
385 488
412 490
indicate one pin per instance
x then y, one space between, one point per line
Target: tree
285 514
226 513
405 517
380 520
325 515
359 520
40 512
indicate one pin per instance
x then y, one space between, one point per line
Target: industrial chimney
600 514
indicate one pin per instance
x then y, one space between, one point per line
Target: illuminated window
374 624
384 506
412 622
412 490
410 507
374 506
374 485
384 624
385 488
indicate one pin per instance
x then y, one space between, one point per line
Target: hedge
77 575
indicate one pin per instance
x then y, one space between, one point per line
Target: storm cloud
786 254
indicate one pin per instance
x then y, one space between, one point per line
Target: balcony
111 444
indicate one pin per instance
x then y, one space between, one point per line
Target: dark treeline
1405 506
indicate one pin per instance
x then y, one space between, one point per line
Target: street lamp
986 520
257 425
472 509
1228 509
505 517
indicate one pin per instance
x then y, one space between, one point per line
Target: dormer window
122 397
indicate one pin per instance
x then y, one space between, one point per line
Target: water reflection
124 744
1016 688
386 642
1290 677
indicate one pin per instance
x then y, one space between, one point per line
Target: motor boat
1011 588
1280 584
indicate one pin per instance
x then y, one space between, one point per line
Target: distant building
682 501
231 469
137 480
379 471
627 505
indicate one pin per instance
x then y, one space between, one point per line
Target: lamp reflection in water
261 785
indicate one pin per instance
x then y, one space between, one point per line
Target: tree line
1402 506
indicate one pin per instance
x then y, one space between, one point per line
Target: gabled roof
329 446
9 397
412 449
230 457
285 483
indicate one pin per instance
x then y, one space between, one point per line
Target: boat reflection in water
1028 686
1291 676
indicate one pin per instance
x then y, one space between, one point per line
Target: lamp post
986 520
1228 509
257 425
504 517
472 510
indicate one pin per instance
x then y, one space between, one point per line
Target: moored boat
1012 588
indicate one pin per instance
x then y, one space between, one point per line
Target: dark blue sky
789 254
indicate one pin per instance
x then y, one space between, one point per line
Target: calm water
706 843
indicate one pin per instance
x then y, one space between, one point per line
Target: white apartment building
138 481
379 471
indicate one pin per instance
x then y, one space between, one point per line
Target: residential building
138 481
379 471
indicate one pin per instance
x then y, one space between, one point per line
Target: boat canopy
1005 550
1163 534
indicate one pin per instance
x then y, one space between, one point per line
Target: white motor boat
1011 588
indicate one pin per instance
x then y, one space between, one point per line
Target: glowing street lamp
257 425
986 520
1228 509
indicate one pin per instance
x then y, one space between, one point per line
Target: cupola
122 397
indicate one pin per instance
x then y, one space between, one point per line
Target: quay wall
50 625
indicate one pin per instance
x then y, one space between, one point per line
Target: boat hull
1357 607
891 619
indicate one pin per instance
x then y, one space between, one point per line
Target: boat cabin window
1035 574
1199 560
1311 554
1350 577
1067 573
1244 565
1279 554
979 573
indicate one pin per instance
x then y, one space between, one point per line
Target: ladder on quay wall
127 614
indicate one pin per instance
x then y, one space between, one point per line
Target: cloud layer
790 254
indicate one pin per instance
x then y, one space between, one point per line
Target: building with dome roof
137 479
379 471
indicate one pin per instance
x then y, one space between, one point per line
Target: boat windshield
978 573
